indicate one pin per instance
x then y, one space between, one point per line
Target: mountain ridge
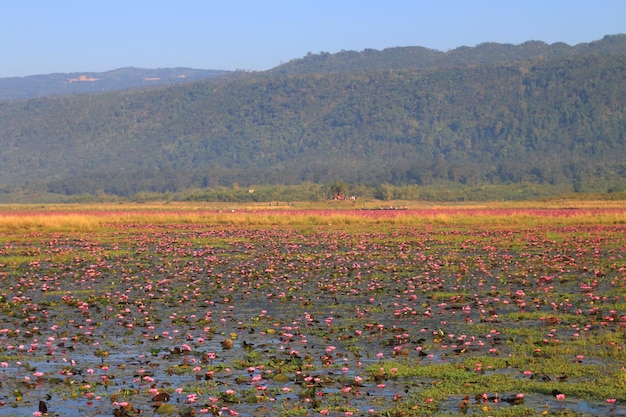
419 57
37 85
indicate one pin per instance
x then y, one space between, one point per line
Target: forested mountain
544 120
92 82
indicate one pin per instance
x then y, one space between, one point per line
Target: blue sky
47 36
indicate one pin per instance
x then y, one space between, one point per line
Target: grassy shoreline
91 217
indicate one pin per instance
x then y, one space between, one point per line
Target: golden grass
68 222
92 217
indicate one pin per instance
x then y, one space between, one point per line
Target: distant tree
338 190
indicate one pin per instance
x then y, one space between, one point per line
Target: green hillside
554 121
